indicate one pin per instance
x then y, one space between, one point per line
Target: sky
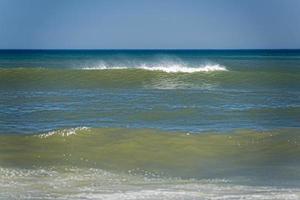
149 24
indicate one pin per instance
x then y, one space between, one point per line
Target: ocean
150 124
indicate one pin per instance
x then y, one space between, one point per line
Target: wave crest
63 132
165 67
184 69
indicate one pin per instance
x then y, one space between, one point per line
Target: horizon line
134 49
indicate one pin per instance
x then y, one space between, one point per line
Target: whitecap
185 69
168 67
63 132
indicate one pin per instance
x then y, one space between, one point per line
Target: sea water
149 124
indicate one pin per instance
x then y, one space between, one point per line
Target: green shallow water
42 78
266 156
179 124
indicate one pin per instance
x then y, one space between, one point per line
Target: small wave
63 132
168 68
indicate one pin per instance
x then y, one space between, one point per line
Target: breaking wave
63 132
167 67
113 163
157 76
91 183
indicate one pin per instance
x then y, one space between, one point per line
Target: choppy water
150 124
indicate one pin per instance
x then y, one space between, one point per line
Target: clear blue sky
203 24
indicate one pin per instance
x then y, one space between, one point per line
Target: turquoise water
149 124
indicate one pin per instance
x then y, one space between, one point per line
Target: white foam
168 67
184 69
63 132
77 183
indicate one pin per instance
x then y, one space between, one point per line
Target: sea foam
91 183
164 67
184 69
63 132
